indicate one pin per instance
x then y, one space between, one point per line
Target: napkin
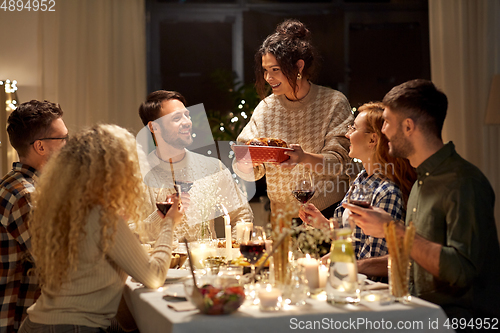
181 306
376 286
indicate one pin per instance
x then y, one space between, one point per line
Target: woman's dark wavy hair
288 44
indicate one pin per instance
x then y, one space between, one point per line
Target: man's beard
176 142
400 146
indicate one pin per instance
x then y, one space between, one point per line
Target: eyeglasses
351 129
63 138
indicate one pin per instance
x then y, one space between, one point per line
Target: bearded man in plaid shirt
36 130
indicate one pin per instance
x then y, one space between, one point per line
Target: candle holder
269 298
296 291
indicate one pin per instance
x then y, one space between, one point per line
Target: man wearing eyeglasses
36 131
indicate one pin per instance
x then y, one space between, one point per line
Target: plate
176 274
174 290
260 154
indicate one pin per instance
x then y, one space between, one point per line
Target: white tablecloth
152 315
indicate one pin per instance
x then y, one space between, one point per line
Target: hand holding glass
163 200
360 195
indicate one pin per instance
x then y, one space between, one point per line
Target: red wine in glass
303 196
163 202
303 189
360 195
252 251
163 207
360 203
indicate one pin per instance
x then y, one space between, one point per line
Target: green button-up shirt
451 203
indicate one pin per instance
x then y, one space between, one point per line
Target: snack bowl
216 300
182 258
178 259
174 261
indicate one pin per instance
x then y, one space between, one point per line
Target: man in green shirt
456 254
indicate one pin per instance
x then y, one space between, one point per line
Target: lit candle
229 239
269 298
323 276
311 266
199 253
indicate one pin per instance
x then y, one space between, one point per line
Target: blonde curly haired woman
83 247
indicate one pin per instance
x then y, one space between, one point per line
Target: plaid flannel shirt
18 291
387 196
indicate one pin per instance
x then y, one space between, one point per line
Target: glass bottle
342 284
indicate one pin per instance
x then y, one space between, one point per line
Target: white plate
176 274
175 290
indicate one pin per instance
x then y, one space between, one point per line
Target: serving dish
260 154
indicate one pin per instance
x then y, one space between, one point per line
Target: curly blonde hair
97 167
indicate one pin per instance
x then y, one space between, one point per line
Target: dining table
152 314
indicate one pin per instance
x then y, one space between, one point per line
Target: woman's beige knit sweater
318 122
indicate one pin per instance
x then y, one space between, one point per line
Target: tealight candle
199 253
311 266
270 298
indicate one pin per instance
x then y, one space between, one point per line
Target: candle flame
226 215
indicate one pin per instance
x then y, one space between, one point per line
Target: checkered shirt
18 291
387 196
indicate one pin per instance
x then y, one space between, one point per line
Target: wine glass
253 249
163 200
303 189
183 182
360 195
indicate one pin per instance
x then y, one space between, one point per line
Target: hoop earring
299 76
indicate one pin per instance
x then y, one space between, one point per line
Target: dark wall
189 54
365 47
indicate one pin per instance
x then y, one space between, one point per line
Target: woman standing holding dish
311 119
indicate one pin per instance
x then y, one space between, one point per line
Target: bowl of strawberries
217 299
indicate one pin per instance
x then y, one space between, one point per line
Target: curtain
93 61
465 54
